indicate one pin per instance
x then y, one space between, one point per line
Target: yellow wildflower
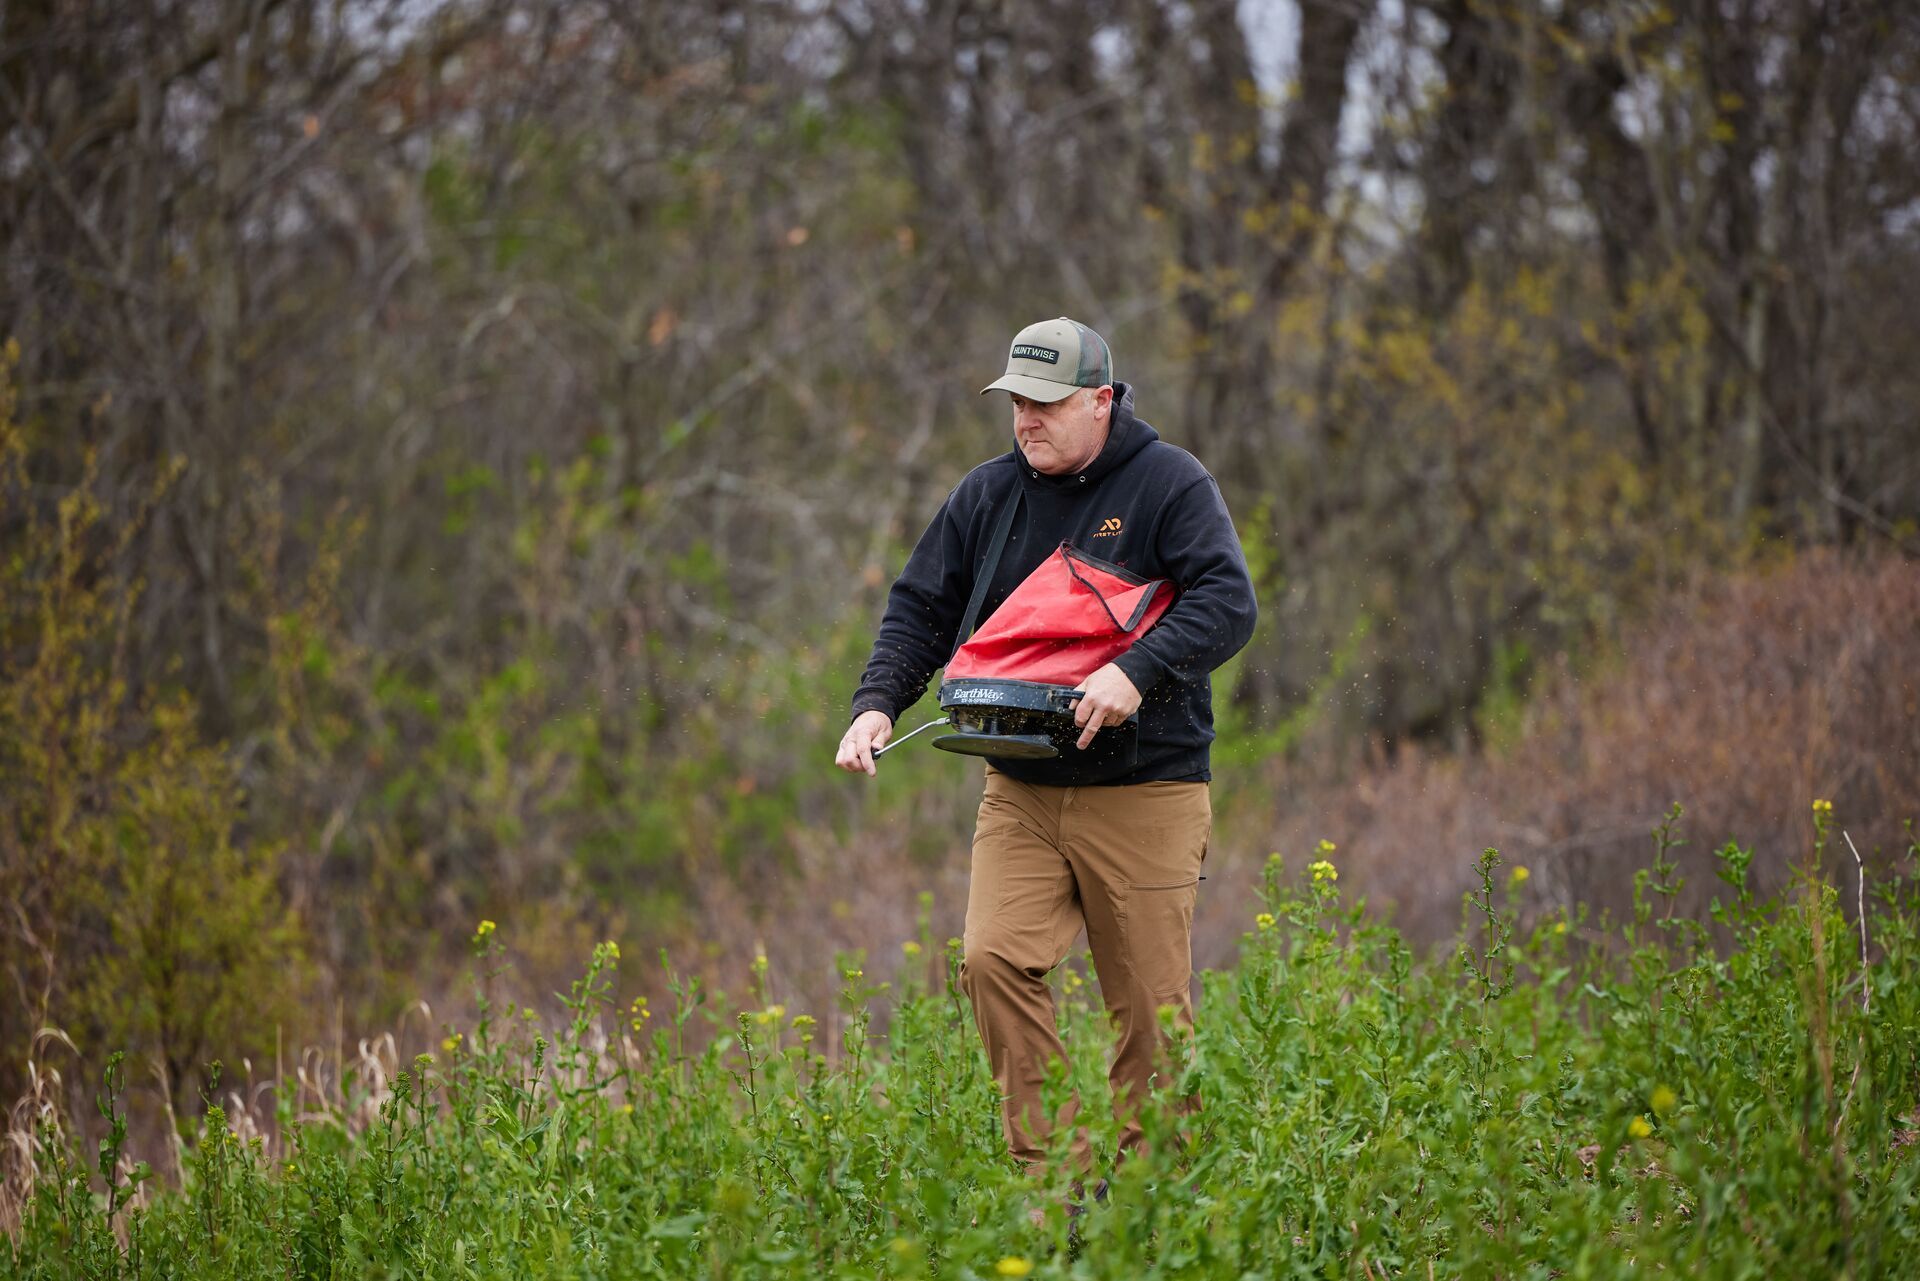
1663 1099
1823 807
1264 921
1519 874
911 948
1325 848
1559 927
804 1021
1323 872
1013 1266
484 929
900 1246
1639 1127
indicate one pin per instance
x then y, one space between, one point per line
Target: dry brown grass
1744 700
40 1107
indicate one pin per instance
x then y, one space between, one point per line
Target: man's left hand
1110 698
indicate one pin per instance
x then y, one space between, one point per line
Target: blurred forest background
455 453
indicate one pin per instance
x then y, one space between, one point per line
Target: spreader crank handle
878 752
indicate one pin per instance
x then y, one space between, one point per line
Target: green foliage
186 908
133 900
1540 1110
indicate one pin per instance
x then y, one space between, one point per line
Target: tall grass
1724 1098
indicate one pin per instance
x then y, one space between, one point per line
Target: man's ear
1103 398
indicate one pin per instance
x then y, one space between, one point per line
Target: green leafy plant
1697 1111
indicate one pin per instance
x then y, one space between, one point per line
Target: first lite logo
1109 527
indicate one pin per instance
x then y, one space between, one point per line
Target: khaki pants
1123 861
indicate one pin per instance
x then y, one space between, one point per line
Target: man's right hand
869 732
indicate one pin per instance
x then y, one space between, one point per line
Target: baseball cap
1051 360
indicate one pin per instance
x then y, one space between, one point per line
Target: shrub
131 907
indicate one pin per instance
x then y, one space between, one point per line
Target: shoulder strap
994 547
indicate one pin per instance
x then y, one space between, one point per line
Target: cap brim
1044 390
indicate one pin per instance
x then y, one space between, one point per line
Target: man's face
1061 438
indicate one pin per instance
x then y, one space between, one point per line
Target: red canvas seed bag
1072 616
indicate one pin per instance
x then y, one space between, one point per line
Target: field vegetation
1733 1099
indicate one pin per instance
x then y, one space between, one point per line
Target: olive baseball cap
1051 360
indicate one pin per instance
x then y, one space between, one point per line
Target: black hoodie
1142 504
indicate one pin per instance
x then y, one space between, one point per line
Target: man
1101 837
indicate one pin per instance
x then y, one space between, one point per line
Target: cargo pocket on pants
1156 925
